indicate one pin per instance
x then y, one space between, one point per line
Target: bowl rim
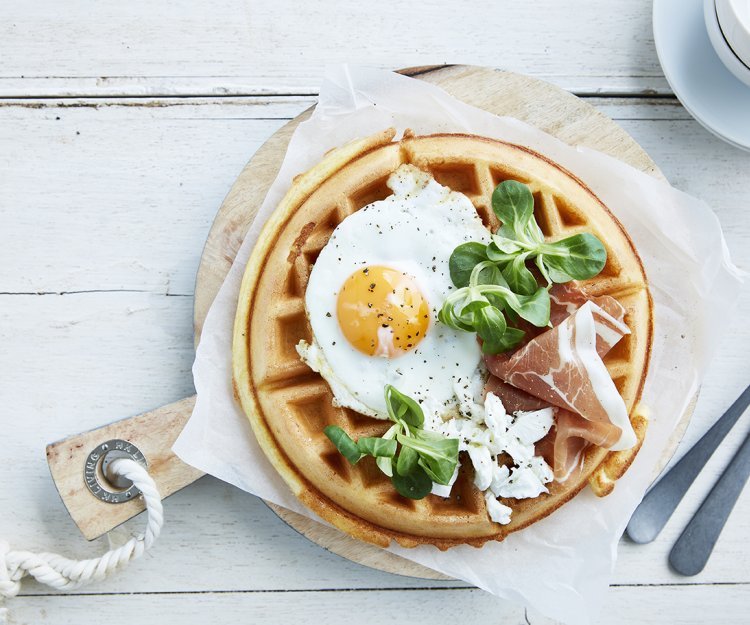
737 32
720 44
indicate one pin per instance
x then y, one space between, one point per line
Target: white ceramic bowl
734 21
707 89
719 43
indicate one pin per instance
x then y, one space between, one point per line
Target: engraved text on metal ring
115 489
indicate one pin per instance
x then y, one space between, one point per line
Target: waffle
289 405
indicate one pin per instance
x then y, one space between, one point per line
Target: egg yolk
382 312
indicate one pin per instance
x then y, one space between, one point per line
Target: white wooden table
122 126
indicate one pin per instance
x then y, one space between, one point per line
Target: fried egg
374 294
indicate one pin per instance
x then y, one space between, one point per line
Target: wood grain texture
177 158
116 343
678 605
257 47
153 433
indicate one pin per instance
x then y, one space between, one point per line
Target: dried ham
563 367
573 435
563 447
514 399
566 299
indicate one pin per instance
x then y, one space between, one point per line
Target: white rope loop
64 574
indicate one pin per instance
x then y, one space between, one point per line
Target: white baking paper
560 566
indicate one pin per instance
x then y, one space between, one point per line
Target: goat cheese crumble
488 432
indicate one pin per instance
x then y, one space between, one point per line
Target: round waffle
289 405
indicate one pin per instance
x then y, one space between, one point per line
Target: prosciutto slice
566 299
563 367
563 447
514 399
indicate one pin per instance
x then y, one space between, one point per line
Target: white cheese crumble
499 513
488 432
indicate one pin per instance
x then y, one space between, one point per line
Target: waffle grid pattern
306 398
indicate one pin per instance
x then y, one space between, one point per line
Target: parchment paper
560 566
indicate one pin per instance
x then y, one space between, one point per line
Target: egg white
415 230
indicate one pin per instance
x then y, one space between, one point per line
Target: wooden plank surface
122 127
676 605
122 344
256 47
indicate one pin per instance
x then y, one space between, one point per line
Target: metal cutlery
695 544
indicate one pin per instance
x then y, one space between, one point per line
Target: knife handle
694 546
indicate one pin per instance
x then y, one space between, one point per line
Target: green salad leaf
415 485
579 257
385 463
513 204
406 461
412 457
403 408
348 448
438 455
463 260
377 447
494 282
520 280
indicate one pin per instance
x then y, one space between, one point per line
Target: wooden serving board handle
153 433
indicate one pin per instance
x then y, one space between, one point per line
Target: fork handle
694 546
660 502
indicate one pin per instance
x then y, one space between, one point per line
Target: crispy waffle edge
602 467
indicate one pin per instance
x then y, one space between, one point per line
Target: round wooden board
535 102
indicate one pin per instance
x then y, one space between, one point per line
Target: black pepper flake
328 314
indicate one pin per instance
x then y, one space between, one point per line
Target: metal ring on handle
107 487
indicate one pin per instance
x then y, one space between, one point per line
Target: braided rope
62 573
